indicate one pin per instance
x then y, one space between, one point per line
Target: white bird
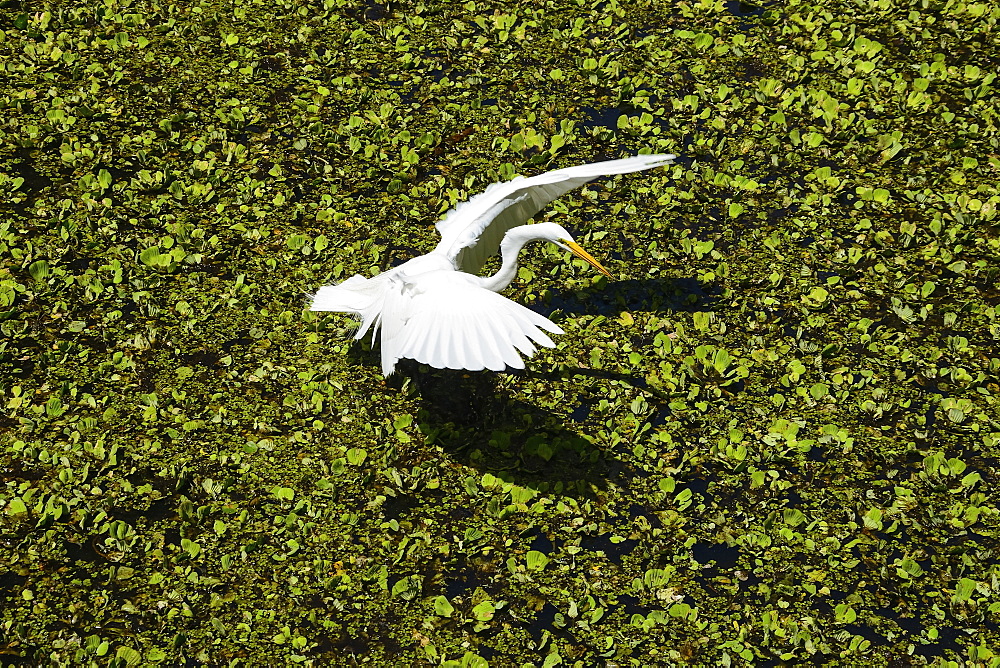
436 310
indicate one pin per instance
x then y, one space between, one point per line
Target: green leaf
721 360
130 656
443 607
16 507
536 560
819 390
156 655
39 270
521 495
680 610
468 660
873 519
910 567
192 548
406 588
703 40
484 611
971 479
657 578
965 589
545 450
818 296
845 613
793 517
956 466
150 257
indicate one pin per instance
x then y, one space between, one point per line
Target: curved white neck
510 248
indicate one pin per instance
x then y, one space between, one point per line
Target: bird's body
436 310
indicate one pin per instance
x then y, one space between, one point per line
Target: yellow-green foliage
773 438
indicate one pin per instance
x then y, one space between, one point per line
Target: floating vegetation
772 439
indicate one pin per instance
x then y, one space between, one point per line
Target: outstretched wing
473 230
443 320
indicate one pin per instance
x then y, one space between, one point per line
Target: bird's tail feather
359 296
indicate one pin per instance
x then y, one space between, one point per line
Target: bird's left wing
449 323
473 230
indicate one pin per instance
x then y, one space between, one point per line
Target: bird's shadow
654 295
474 418
478 422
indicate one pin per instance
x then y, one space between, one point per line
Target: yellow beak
578 250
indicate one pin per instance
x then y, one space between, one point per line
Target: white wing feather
446 321
472 231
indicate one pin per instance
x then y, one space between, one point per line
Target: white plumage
434 309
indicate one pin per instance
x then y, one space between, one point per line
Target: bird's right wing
473 230
449 323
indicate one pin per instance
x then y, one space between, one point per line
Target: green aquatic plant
770 440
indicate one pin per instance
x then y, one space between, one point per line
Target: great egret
434 309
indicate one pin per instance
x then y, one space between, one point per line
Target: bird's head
558 235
